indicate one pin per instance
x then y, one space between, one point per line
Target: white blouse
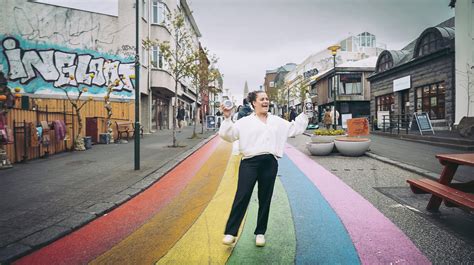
258 138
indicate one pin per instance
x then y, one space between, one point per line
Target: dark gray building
418 78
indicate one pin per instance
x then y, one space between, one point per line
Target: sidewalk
413 155
45 199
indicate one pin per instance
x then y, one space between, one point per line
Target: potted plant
322 141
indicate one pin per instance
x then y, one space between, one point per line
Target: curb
414 169
56 231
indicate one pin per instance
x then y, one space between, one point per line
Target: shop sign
357 127
401 83
310 73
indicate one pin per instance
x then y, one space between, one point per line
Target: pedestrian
292 114
327 119
235 117
180 117
262 137
245 110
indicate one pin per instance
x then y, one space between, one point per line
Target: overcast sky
251 36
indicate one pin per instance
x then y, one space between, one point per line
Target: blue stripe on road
320 235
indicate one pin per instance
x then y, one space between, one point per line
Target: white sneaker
260 240
228 240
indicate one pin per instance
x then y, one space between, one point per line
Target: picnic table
454 194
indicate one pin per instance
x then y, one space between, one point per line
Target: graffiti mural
43 69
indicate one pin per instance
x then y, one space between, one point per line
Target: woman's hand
225 112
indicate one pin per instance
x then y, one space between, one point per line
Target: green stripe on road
280 238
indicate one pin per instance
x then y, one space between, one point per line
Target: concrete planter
349 146
320 149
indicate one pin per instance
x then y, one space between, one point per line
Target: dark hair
252 96
245 102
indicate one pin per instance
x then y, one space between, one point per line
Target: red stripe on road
103 233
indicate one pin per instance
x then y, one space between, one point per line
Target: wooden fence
50 110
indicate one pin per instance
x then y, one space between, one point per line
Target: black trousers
261 169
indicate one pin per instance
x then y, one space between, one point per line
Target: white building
43 47
464 46
353 48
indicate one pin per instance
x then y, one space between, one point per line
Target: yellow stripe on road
202 244
154 239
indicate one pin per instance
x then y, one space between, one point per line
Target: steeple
246 89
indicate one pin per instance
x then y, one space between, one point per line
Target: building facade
353 48
347 83
419 78
45 47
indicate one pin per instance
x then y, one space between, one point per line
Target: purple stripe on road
376 238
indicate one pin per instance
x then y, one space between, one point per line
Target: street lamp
137 88
333 50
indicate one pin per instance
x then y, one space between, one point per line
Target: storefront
348 85
418 78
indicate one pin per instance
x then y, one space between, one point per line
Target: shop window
385 102
431 99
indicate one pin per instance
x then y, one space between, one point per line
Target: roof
285 68
189 14
400 57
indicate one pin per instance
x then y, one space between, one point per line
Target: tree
202 73
178 55
77 105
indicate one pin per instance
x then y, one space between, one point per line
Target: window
272 84
144 57
350 84
385 63
429 44
385 102
144 10
431 99
159 12
156 58
332 84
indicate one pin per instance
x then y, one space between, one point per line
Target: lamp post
137 87
333 50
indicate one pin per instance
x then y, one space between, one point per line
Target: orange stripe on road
103 233
154 239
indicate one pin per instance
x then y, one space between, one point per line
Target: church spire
246 89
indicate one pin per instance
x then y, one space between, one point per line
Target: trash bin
104 138
88 142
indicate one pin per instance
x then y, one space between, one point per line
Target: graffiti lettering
65 68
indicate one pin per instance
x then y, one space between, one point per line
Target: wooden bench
141 130
123 128
449 194
453 194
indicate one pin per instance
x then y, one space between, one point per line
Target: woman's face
262 103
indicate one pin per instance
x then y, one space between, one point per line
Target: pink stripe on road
376 238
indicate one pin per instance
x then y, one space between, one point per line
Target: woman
262 137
